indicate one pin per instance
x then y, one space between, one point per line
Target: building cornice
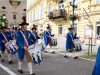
91 13
34 5
94 5
83 1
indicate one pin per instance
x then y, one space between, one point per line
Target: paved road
53 64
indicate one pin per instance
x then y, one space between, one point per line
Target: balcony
57 14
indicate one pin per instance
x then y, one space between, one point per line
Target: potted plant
74 17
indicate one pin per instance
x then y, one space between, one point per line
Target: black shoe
2 60
66 56
76 57
70 51
53 52
32 74
0 55
20 71
45 51
10 62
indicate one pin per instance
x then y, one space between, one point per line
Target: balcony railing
58 14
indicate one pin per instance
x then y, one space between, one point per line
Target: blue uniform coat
20 41
47 34
69 40
13 34
36 35
8 36
96 70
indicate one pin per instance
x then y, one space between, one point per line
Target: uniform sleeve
1 37
18 39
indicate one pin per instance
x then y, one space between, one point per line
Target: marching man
23 40
48 38
35 32
5 37
13 32
96 69
70 41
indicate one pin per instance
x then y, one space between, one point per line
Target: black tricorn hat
34 27
48 26
24 23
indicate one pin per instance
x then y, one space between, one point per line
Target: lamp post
74 4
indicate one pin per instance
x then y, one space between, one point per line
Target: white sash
34 35
5 37
48 32
24 37
71 36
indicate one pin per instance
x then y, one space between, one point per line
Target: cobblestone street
53 64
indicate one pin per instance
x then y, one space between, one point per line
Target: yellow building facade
43 12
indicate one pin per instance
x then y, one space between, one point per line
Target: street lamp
74 4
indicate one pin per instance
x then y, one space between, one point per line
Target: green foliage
74 17
3 20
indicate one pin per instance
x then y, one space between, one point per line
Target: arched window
42 10
14 16
4 15
97 1
50 7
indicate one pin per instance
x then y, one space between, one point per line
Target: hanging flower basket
74 17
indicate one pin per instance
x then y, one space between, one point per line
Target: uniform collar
48 30
70 32
23 30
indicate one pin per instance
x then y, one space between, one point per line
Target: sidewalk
60 49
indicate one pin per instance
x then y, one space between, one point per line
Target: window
42 10
31 16
36 13
14 16
98 28
50 7
75 28
27 17
61 4
97 1
60 29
